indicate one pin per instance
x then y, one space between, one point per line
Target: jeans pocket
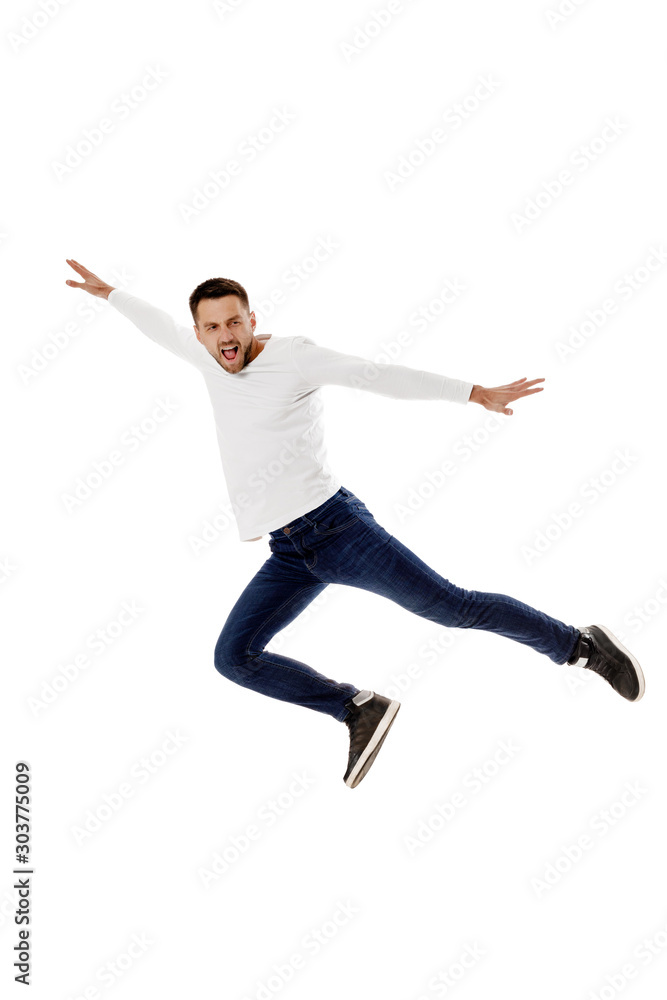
334 518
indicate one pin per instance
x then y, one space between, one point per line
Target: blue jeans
341 542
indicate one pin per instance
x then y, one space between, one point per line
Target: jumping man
267 408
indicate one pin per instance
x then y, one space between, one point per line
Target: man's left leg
369 557
373 559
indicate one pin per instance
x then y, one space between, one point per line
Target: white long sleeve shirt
268 415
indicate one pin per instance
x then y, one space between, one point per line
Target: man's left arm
324 366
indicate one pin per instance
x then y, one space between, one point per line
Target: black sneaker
598 649
369 721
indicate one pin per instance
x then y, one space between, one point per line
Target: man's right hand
91 283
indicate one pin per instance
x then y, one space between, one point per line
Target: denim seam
373 525
321 508
285 604
329 685
341 527
310 568
324 507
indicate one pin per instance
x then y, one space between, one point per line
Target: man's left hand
497 398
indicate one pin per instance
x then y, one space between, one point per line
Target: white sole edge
387 720
640 676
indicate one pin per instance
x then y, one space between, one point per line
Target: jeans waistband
301 522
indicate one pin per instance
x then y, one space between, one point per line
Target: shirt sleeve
159 327
323 366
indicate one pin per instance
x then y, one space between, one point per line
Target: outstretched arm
156 324
323 366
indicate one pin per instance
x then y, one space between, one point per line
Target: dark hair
217 288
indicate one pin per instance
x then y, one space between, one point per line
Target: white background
361 97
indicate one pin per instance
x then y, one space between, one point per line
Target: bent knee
232 660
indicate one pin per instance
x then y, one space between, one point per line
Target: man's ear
197 333
253 321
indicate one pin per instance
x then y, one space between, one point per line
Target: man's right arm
159 326
155 323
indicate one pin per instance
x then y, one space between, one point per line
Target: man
266 404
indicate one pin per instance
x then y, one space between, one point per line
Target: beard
243 353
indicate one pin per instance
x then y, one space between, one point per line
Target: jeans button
286 530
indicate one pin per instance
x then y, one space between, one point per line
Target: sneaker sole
372 748
638 670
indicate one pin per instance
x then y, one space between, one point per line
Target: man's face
224 324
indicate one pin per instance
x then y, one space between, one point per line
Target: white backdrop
471 189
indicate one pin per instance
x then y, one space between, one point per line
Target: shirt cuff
117 295
456 390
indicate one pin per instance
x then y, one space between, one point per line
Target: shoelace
354 722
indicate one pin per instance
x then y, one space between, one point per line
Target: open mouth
231 353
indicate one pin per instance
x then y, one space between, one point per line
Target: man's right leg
279 591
